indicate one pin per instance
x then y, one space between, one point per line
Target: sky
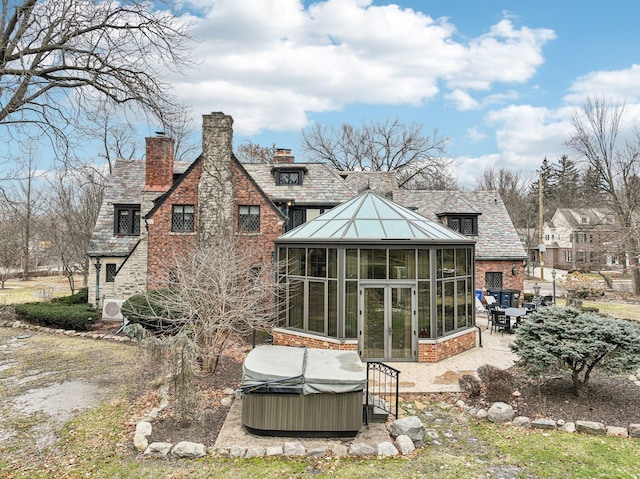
499 78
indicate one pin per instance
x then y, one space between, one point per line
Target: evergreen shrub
78 317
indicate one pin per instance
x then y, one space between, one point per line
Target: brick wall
432 352
428 352
159 163
284 337
509 280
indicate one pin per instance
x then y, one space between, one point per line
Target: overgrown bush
556 337
81 297
470 385
153 311
78 317
498 383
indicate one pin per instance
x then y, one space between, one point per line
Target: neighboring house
158 208
583 239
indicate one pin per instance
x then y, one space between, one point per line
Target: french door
387 322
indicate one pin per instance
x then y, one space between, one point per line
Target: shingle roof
320 184
124 187
382 182
497 238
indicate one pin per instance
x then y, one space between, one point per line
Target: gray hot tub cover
326 371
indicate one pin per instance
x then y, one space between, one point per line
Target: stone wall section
432 352
283 337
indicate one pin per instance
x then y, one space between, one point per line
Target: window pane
468 226
136 222
424 309
461 262
461 304
123 221
249 218
332 311
402 263
317 265
448 269
333 263
449 309
373 264
439 311
297 261
296 304
424 264
110 272
351 310
351 264
316 306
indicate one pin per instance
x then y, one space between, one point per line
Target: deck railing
383 388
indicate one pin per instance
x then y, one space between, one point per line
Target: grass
36 289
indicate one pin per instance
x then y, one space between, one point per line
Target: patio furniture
499 321
515 313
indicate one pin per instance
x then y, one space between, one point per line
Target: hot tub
303 391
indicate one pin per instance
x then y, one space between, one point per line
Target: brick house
158 207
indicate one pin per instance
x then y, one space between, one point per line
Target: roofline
374 241
159 201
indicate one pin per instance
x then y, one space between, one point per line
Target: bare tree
596 139
25 199
75 202
58 57
10 251
378 146
218 296
249 152
513 187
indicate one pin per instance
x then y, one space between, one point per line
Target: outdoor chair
499 321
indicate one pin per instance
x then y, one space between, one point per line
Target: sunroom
372 276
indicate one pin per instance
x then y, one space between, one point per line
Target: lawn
36 289
97 443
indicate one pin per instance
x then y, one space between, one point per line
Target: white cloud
272 62
617 85
475 135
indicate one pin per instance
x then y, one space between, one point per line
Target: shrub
498 383
470 385
154 311
81 297
64 316
577 341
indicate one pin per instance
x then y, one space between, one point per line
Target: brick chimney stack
283 156
159 163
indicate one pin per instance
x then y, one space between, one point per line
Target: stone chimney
283 156
159 163
215 191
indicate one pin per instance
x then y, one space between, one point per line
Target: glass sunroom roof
371 217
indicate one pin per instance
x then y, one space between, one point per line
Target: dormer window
466 224
127 220
288 176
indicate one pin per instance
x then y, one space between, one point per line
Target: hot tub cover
324 371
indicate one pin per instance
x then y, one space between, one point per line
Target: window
289 177
467 225
493 280
127 220
249 219
110 270
183 218
567 256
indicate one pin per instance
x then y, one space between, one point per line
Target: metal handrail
390 375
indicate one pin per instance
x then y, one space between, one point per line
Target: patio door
387 323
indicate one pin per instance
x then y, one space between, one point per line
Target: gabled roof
372 218
497 238
320 184
125 188
381 182
596 218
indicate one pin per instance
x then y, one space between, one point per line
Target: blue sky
500 78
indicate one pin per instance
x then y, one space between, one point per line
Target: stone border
503 413
66 332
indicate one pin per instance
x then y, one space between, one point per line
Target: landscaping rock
522 421
405 444
320 451
294 449
544 424
237 451
255 451
617 431
144 427
340 450
159 450
140 442
568 427
634 430
274 451
386 449
500 412
360 449
188 450
591 427
481 414
409 426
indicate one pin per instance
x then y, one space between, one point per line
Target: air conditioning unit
112 310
